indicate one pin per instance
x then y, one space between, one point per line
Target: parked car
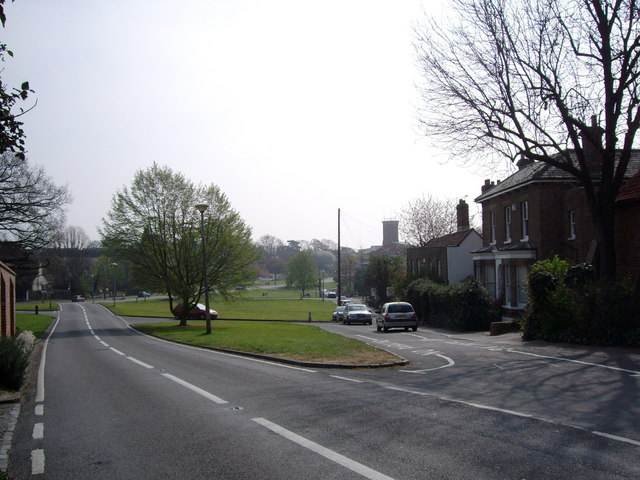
77 298
356 313
197 312
397 315
331 294
143 294
337 314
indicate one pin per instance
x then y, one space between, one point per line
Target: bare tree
269 244
524 78
427 217
31 213
72 249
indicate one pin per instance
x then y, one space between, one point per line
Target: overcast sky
294 108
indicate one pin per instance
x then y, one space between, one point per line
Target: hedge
464 306
568 304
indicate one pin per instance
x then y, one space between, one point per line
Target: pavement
11 404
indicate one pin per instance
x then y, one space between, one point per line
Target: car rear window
403 308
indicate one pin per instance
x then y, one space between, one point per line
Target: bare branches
30 204
426 218
524 77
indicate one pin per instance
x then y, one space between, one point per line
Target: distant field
245 308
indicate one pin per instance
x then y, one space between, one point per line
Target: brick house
7 301
628 229
448 258
536 213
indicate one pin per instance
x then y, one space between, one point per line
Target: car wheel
378 328
201 316
415 329
370 323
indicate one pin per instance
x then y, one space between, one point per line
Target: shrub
464 306
14 360
567 304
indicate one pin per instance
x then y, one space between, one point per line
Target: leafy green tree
383 272
303 271
154 225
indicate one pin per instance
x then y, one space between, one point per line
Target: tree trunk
603 215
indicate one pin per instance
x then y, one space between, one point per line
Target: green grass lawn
284 340
42 306
37 324
245 308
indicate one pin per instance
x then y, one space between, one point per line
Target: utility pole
339 270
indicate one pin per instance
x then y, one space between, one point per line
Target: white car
356 313
397 315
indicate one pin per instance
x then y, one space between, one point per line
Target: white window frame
507 280
524 216
492 216
572 225
507 224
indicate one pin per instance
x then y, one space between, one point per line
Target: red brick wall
7 301
628 240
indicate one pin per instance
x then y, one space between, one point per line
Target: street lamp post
202 207
113 267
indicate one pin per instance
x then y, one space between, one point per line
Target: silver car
356 313
397 315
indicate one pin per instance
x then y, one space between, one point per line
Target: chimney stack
389 232
462 213
487 185
523 162
592 146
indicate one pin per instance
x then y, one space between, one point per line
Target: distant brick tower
389 232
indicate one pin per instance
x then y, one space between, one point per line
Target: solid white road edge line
616 437
325 452
517 414
198 390
580 362
43 361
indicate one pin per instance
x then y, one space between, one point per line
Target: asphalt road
113 403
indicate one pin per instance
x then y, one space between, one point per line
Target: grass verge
283 340
37 324
42 306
